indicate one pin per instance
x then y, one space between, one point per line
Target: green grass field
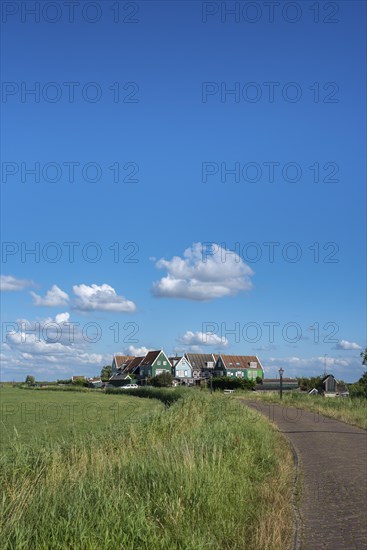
204 473
350 410
39 417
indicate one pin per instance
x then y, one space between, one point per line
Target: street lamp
281 372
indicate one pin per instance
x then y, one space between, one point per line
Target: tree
162 380
30 380
106 372
364 356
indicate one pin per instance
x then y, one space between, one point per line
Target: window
164 362
158 362
185 372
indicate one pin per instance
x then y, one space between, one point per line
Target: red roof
122 359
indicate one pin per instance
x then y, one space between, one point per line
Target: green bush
66 381
162 380
165 395
229 383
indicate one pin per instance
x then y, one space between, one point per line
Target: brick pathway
333 463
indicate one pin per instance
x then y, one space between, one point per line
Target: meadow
203 473
42 416
350 410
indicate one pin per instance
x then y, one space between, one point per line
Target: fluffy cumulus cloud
10 283
344 344
203 339
47 348
54 297
203 274
138 352
101 298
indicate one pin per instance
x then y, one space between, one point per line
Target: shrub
162 380
166 396
229 383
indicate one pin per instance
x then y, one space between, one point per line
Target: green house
154 363
240 366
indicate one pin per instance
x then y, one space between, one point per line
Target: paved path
333 463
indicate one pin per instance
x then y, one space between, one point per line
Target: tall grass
167 396
350 410
206 473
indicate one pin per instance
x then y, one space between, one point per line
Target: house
154 363
128 366
202 364
241 366
331 387
95 382
181 369
119 362
119 379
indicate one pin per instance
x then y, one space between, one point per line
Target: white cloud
344 344
200 275
47 348
138 352
54 297
101 298
10 283
62 317
202 338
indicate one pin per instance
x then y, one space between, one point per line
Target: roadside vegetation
203 473
352 410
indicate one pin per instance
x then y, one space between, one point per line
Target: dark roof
200 360
150 357
132 365
174 360
239 361
122 360
327 376
119 375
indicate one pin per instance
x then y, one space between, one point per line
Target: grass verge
350 410
206 473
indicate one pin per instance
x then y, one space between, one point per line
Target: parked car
129 387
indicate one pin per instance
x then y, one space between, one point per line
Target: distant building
154 363
240 366
331 387
181 369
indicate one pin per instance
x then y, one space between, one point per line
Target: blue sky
150 97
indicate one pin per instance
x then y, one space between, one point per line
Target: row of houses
188 369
